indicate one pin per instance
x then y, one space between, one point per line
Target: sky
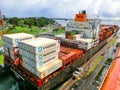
59 8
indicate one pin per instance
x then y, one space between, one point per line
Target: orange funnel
81 17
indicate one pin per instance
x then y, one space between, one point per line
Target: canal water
7 82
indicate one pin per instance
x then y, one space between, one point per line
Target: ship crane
95 25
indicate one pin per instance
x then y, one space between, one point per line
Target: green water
6 82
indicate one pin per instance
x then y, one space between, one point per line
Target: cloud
107 8
58 8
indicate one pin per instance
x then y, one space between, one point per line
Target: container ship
44 63
111 80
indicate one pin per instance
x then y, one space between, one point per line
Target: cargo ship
47 66
111 80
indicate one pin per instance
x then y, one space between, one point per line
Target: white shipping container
49 68
7 44
29 68
38 64
85 40
38 45
40 56
77 36
15 38
5 48
6 51
46 69
12 54
26 66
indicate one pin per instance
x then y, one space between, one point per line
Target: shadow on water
6 82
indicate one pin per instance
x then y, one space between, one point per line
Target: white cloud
58 8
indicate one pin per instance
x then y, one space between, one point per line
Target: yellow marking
66 83
78 78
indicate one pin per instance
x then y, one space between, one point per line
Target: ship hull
25 84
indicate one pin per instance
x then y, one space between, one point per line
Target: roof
17 35
38 41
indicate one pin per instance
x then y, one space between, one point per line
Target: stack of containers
85 43
11 41
40 56
101 36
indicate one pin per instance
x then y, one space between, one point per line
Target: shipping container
49 68
109 33
38 45
66 59
67 34
61 54
13 39
79 53
77 36
39 56
101 37
38 64
70 37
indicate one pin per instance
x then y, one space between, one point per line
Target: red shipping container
104 34
61 54
79 53
67 34
101 36
108 33
69 50
63 49
68 58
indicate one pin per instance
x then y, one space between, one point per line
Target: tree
21 22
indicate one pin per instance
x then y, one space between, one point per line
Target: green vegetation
32 30
72 32
94 65
1 59
108 61
58 31
99 74
113 42
30 21
1 43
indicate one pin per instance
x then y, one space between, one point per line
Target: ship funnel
83 12
81 17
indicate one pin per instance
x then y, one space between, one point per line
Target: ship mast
95 24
